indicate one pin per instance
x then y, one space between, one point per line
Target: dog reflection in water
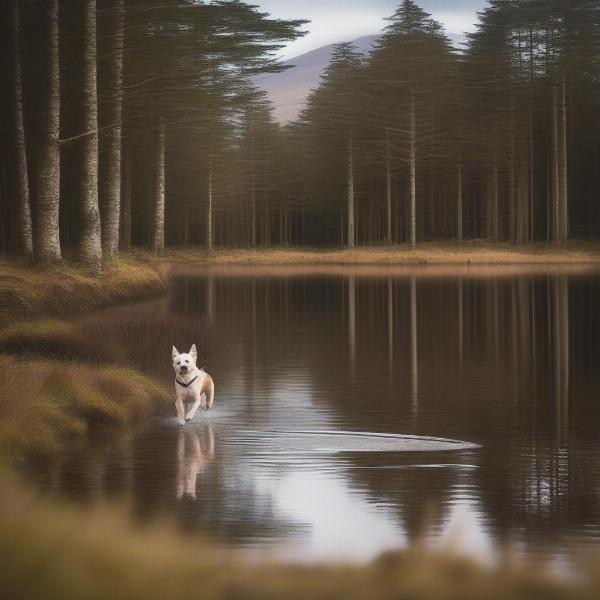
195 450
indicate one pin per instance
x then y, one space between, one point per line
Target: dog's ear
193 352
174 352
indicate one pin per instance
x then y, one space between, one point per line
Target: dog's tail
210 393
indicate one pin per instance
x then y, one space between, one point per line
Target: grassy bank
97 555
57 383
27 292
451 253
63 400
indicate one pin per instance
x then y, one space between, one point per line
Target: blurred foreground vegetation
51 551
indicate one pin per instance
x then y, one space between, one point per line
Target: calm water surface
508 363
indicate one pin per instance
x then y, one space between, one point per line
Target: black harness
187 385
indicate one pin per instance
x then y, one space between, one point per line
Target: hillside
289 90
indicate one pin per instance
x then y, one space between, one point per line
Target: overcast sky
345 20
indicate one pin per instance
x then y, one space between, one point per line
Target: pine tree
90 249
112 41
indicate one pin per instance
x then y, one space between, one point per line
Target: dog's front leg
180 410
194 409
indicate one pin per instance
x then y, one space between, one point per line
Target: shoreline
27 292
430 253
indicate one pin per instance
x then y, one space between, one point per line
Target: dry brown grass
448 253
47 403
49 551
27 292
57 339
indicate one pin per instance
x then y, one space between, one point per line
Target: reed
49 403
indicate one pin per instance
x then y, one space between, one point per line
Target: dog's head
184 363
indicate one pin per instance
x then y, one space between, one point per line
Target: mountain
289 90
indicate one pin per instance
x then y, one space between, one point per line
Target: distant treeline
136 122
497 140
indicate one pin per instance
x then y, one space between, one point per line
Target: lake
363 409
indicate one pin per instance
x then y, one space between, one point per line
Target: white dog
192 384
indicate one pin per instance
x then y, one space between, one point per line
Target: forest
129 123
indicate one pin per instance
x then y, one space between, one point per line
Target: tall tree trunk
556 172
209 208
388 180
563 228
459 199
495 201
158 239
524 199
267 229
531 175
281 220
20 240
531 139
46 176
127 191
350 192
413 171
253 213
512 234
90 248
111 117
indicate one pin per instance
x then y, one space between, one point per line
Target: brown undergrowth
98 554
28 293
47 404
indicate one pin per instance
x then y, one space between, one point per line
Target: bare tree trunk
495 201
459 199
531 139
158 240
127 191
281 220
413 171
90 248
209 208
388 178
111 117
253 213
185 241
46 232
556 187
522 206
531 176
563 228
20 238
512 234
267 230
350 193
